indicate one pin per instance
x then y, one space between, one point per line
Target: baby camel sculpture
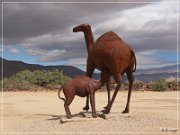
112 54
82 86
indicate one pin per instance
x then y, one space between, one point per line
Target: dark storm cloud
29 20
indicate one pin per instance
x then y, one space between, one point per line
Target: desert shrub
26 79
19 81
161 84
43 78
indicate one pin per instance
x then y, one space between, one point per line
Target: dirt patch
41 112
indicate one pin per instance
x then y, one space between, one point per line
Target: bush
26 79
160 85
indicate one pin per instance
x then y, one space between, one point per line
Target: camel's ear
88 27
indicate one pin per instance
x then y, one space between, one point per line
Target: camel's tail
134 56
59 94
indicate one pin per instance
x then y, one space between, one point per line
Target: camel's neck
89 40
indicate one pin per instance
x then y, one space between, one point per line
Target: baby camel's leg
87 104
66 106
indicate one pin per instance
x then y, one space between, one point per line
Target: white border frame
168 2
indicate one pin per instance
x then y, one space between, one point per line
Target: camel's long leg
89 71
131 79
89 67
118 81
108 84
93 106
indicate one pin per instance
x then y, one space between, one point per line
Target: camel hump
108 36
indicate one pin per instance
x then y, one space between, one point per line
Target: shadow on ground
75 117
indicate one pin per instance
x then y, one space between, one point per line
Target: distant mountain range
11 67
166 69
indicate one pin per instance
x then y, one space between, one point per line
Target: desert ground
41 113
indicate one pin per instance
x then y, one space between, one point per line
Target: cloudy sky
41 33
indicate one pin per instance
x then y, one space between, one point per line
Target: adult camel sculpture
111 54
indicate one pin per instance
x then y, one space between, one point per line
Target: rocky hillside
12 67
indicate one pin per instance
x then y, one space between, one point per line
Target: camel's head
81 28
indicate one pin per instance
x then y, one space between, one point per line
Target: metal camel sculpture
111 54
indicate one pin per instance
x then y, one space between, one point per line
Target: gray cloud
30 20
45 30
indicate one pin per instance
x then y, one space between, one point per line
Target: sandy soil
41 112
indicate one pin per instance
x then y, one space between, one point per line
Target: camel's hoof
82 114
86 108
102 115
61 121
106 107
69 116
94 115
106 111
126 111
